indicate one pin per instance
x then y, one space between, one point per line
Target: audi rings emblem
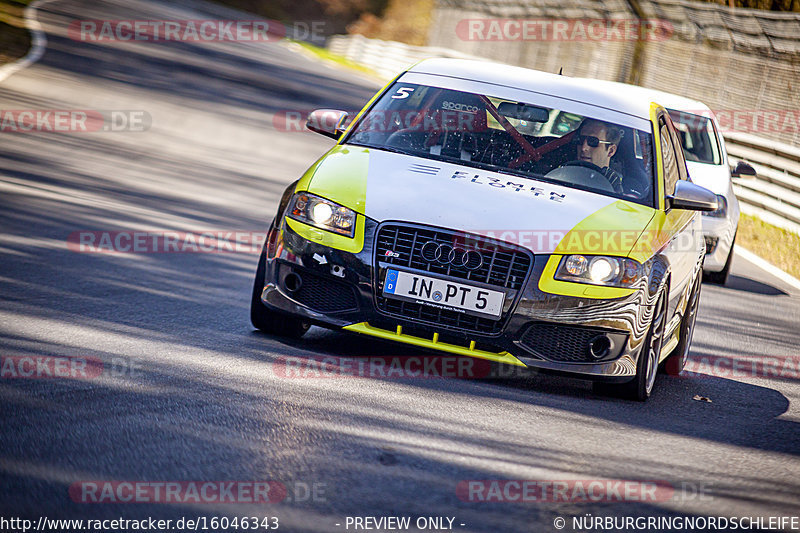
445 254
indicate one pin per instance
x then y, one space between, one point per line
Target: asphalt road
190 392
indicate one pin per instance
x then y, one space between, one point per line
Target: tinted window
698 137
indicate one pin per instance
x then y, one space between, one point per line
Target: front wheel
677 361
721 277
267 320
640 387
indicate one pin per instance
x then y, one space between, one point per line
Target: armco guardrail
387 58
725 57
774 194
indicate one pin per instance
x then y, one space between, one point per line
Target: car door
682 226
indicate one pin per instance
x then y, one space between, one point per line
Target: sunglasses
591 140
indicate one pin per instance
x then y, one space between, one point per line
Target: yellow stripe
612 230
305 179
366 329
654 107
663 226
658 233
548 283
340 176
328 238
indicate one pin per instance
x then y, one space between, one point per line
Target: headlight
322 213
722 209
599 270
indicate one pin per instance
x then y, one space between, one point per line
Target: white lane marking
750 257
38 45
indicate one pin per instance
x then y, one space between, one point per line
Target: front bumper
719 233
338 289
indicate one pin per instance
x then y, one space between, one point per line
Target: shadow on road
205 402
740 283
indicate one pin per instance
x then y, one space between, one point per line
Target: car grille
553 342
325 295
503 266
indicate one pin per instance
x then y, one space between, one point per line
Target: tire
267 320
721 277
675 363
640 387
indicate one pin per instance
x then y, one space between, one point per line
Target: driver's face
601 154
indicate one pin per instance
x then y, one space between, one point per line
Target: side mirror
692 197
328 122
743 170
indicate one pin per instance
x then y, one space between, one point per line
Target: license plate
443 294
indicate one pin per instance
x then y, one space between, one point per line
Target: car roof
621 97
668 100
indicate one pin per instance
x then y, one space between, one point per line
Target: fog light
711 244
292 282
599 346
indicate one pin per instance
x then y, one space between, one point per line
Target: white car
708 165
501 213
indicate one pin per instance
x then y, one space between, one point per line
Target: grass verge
776 245
15 40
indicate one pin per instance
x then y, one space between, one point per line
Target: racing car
501 213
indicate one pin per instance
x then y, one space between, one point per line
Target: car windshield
519 138
698 137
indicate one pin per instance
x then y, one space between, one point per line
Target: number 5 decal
403 92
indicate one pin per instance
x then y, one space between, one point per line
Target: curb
768 267
38 42
298 49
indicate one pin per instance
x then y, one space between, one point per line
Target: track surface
207 401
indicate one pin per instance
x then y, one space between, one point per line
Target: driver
597 143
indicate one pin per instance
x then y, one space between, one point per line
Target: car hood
715 178
537 215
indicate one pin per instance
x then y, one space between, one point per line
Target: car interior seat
456 120
635 179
